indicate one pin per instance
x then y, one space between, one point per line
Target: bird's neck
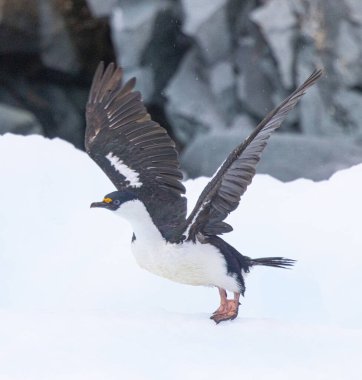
137 215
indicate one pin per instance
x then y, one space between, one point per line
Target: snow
74 304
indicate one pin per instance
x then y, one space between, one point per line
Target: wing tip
104 76
310 81
287 105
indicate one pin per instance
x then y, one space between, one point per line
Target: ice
75 305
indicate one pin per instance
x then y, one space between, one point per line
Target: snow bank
74 304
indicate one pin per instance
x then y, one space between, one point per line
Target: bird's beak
99 204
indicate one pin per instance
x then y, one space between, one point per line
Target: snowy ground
74 304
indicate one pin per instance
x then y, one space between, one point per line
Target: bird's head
113 201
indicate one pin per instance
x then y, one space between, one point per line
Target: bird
141 160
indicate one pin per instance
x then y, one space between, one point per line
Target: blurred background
209 71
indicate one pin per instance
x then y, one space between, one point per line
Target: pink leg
223 302
228 309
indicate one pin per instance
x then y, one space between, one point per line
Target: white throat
187 263
137 215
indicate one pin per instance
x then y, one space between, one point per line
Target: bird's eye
116 202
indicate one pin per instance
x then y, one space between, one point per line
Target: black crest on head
122 196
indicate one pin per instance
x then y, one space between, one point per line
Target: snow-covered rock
74 304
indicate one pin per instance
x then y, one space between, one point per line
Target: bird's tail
276 262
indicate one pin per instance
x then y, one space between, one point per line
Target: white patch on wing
186 232
217 170
131 175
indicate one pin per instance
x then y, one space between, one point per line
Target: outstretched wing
134 151
222 194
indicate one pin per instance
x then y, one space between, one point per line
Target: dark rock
203 66
132 25
19 121
330 108
60 115
256 84
191 107
58 106
349 52
222 85
239 16
336 35
58 51
101 8
354 10
166 49
207 22
148 39
307 34
348 104
287 156
19 27
317 111
242 123
317 116
278 22
90 36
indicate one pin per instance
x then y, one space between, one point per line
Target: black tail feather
276 262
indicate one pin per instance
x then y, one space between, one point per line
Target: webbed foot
226 312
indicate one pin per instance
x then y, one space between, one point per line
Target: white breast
187 263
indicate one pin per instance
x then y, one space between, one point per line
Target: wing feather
222 194
121 138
